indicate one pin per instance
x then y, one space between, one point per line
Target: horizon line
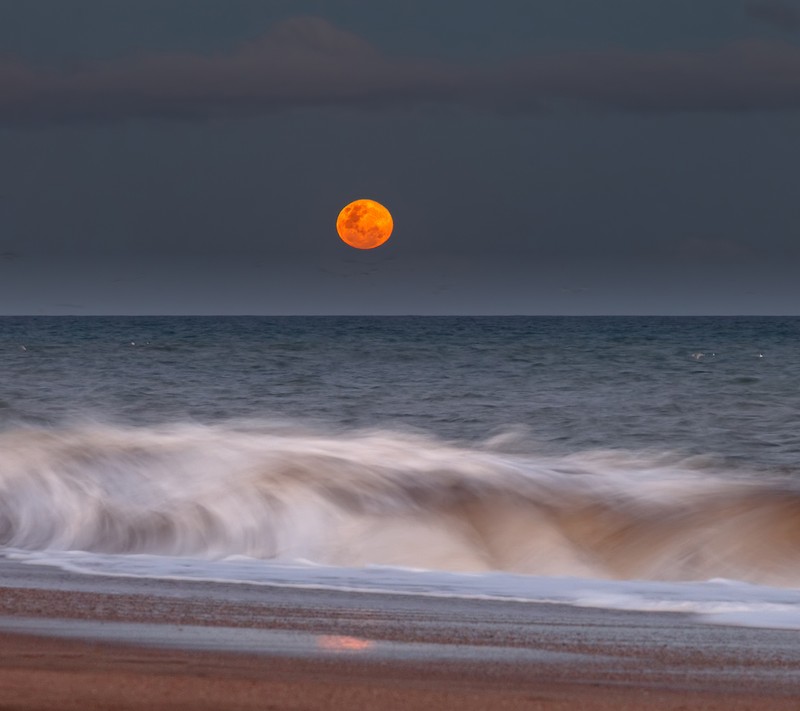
408 315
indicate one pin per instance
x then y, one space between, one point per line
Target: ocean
645 463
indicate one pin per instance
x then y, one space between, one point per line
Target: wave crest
278 492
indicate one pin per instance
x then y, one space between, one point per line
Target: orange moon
364 224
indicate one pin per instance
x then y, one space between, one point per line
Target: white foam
725 602
275 492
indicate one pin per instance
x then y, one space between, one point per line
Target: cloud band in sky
774 12
308 62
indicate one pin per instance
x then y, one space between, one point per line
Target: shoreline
72 641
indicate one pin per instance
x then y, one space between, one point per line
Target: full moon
364 224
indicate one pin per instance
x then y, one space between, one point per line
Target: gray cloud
715 249
774 12
307 62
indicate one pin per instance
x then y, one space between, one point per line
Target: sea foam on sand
717 601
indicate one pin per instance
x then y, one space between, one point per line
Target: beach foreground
83 642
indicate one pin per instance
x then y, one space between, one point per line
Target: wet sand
81 642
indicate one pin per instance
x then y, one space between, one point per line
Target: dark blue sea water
727 387
650 448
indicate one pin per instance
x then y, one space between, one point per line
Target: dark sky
548 157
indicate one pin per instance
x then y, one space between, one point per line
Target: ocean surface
637 463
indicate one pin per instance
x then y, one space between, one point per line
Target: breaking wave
391 498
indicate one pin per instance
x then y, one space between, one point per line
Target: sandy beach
86 642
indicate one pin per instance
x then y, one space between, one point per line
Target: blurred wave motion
277 491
